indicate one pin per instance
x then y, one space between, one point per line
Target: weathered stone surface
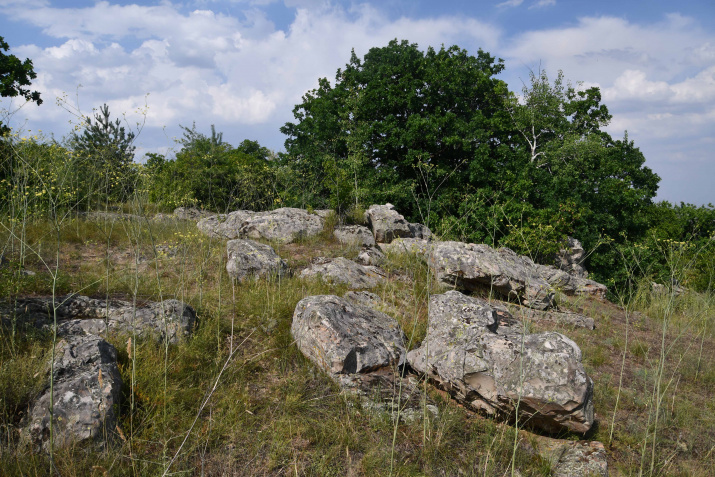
324 213
87 390
370 256
344 337
570 458
566 318
342 270
191 213
386 223
570 258
420 231
169 320
283 225
471 266
488 364
248 259
356 235
571 284
415 246
224 226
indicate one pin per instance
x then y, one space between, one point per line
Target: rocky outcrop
169 320
386 223
489 364
569 458
342 270
224 226
248 259
345 337
415 246
571 284
86 393
355 235
571 257
420 231
471 267
282 225
370 256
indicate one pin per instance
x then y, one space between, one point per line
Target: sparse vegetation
238 398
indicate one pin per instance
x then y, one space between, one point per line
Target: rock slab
342 270
344 337
489 366
355 235
386 223
86 391
248 259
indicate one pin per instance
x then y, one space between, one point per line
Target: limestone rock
386 223
415 246
489 366
370 256
420 231
356 235
342 270
571 284
571 257
169 320
249 259
283 225
190 213
87 390
343 337
224 226
570 458
471 266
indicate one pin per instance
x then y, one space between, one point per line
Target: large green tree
15 76
401 122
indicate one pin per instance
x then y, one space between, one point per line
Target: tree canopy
437 130
15 75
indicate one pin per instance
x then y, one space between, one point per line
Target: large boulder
471 266
342 270
386 223
169 320
248 259
224 226
345 337
355 235
370 256
485 360
86 393
570 284
283 225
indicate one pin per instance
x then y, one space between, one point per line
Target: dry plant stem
208 398
620 378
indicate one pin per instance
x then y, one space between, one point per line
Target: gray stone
343 337
571 257
355 235
571 284
471 267
224 226
283 225
489 364
414 246
248 259
191 213
370 256
86 393
386 223
169 320
420 231
342 270
570 458
324 213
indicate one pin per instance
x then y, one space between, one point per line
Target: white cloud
543 3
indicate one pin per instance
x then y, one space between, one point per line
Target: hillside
224 384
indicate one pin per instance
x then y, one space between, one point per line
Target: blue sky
243 64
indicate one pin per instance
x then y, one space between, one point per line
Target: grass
271 412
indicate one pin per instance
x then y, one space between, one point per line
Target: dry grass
274 413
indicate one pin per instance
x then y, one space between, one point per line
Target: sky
242 65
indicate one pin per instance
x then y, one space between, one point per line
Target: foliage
209 173
14 76
106 153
